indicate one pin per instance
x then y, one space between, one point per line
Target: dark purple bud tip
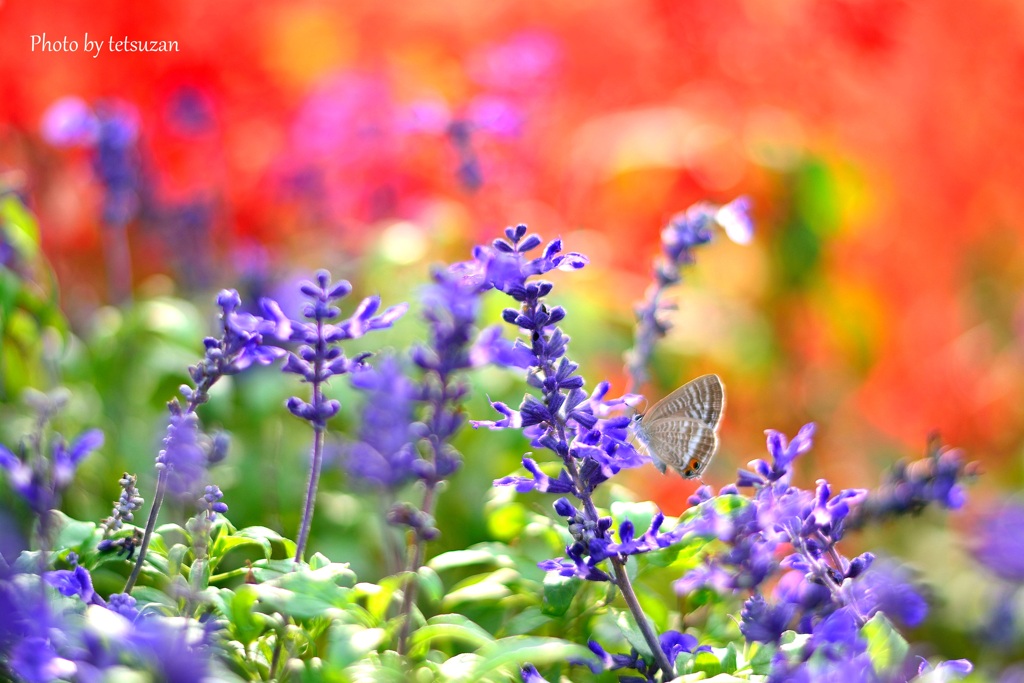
531 242
564 508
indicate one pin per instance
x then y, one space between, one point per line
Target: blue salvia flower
111 131
564 419
245 341
460 132
40 481
685 232
581 429
451 306
671 643
909 488
529 674
820 592
319 357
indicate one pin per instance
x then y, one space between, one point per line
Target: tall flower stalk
451 308
318 358
182 461
577 427
685 231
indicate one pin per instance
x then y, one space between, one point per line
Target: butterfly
681 429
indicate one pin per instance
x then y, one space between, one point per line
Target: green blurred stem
419 552
118 262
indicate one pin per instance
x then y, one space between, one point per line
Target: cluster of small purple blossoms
111 131
686 231
124 510
588 433
384 454
909 488
579 428
40 479
320 357
246 340
818 591
999 546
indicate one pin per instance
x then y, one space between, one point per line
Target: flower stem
319 428
154 511
314 480
626 586
419 552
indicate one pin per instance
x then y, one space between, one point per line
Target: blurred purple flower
936 479
999 542
529 674
523 62
685 232
70 122
39 481
384 454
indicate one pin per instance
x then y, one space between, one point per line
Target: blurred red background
880 141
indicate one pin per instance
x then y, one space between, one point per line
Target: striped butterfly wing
685 443
701 399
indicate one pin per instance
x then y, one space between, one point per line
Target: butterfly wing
685 443
701 399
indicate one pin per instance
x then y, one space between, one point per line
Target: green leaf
510 654
530 619
448 627
246 624
707 663
199 575
318 561
72 534
233 552
559 592
348 643
482 588
174 533
280 547
147 596
379 597
307 594
624 621
729 658
886 647
430 584
761 659
484 553
176 557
